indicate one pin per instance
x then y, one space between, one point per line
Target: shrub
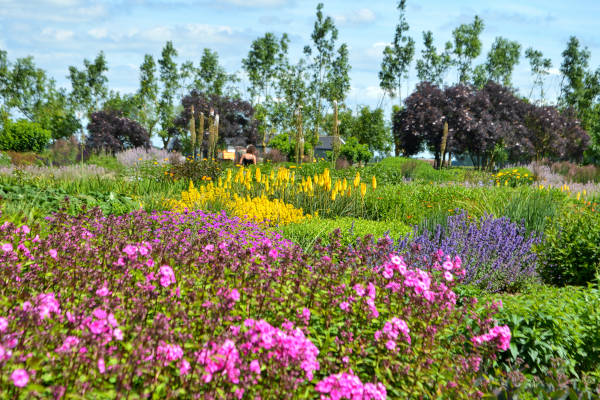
23 136
168 305
22 159
195 170
570 254
111 132
498 254
513 177
553 324
5 160
65 152
355 152
276 156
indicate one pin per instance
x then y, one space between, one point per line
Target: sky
60 33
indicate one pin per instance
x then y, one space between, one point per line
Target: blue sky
59 33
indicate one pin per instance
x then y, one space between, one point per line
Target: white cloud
98 33
366 94
60 35
362 16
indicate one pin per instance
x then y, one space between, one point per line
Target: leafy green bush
570 255
286 146
106 161
4 159
355 152
23 136
513 177
306 233
549 324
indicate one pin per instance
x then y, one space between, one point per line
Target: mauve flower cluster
498 255
198 305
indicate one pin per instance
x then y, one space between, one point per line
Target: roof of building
326 143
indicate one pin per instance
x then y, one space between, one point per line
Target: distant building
325 144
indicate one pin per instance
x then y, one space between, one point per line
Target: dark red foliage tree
110 131
236 118
485 121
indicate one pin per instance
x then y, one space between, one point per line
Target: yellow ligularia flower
357 180
363 189
374 182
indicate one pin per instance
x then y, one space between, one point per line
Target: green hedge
24 136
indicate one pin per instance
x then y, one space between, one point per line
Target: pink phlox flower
5 354
20 377
47 305
167 276
348 386
359 289
7 248
345 306
255 367
103 291
130 250
273 253
501 333
168 352
69 343
3 324
184 367
101 365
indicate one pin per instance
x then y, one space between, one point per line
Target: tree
354 152
169 77
110 131
267 54
211 77
467 47
540 67
294 92
148 94
397 57
370 129
580 90
330 78
89 85
501 61
432 67
236 118
23 136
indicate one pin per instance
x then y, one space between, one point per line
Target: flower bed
201 305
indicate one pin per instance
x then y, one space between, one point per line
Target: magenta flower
345 306
167 276
255 367
53 253
7 247
184 367
20 378
4 353
3 324
102 292
101 365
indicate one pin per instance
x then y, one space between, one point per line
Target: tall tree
267 54
327 69
397 57
501 60
211 77
432 67
467 47
169 77
89 85
148 94
540 67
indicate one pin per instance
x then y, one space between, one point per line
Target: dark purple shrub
111 132
497 254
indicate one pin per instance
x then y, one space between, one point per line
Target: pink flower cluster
167 276
104 325
501 333
45 305
223 358
287 346
391 330
168 352
348 386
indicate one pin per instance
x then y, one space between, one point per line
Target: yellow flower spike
374 182
584 192
333 195
357 180
328 186
363 189
578 195
258 175
505 183
344 185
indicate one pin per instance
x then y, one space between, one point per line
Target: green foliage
513 177
467 47
432 66
550 324
307 233
501 61
286 147
23 136
4 159
570 254
89 85
355 152
106 161
197 171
